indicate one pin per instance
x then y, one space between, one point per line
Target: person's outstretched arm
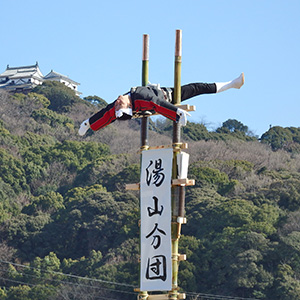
102 118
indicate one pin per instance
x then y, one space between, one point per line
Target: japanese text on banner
156 262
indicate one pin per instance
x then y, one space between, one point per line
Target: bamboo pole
143 295
177 83
175 226
145 76
177 75
176 127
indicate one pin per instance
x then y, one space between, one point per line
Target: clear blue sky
99 44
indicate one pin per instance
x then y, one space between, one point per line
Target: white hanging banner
155 205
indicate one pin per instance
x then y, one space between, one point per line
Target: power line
71 283
44 287
52 288
22 282
189 294
91 280
215 297
68 275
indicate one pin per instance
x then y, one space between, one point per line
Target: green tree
3 294
111 171
61 97
76 155
287 286
51 118
12 172
96 101
277 137
234 235
197 132
234 125
49 203
22 231
286 192
206 176
37 99
235 129
8 204
92 220
21 292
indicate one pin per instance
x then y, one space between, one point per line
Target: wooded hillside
69 230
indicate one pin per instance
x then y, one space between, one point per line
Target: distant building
24 79
63 79
21 78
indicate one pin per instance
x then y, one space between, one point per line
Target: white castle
24 79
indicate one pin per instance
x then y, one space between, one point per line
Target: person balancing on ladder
153 98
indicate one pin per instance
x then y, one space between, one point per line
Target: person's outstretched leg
195 89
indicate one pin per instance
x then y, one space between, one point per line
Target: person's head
123 101
123 107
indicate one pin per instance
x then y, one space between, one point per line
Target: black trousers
191 90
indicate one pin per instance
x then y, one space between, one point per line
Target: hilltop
64 209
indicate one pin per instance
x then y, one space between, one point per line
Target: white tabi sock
85 125
235 83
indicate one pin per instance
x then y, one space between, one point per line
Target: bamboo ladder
178 185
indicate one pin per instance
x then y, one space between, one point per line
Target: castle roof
54 75
22 72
